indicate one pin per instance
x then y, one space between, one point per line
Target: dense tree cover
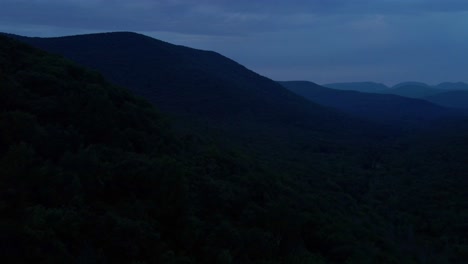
91 174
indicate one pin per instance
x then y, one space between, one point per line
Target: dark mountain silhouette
369 87
377 107
454 99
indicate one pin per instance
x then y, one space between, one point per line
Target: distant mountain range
452 86
411 83
373 86
386 108
368 87
415 90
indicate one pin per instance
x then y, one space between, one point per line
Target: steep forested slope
89 174
181 79
209 91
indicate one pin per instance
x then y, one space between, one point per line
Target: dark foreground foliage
91 174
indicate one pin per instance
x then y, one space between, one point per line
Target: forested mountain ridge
411 90
368 87
91 174
179 79
452 86
204 87
382 108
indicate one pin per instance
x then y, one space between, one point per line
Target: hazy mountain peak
385 108
452 86
370 87
412 83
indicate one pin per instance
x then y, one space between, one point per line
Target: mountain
454 99
179 79
413 90
369 87
75 149
406 89
92 174
431 93
398 85
452 86
422 90
208 90
376 107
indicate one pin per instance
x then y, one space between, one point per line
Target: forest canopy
90 173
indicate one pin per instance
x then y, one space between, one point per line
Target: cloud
206 16
276 37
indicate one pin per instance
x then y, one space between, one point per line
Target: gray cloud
205 16
320 40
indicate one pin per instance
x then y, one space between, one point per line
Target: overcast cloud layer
319 40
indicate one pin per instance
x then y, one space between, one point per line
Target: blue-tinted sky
318 40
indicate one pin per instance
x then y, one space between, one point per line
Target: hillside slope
179 79
90 174
455 99
216 95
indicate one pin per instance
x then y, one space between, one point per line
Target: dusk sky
318 40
